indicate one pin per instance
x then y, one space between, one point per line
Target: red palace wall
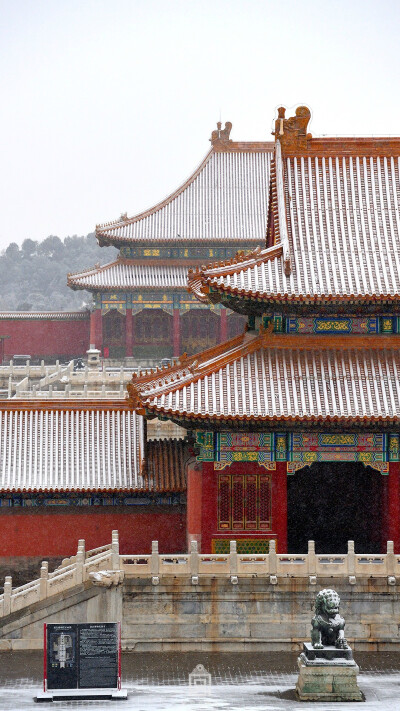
45 337
56 534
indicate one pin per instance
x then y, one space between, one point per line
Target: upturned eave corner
195 285
133 400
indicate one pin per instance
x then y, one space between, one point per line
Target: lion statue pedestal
328 671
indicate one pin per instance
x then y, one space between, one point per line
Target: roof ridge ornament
220 136
292 132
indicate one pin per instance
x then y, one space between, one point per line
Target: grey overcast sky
108 105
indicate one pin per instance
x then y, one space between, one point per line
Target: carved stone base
327 676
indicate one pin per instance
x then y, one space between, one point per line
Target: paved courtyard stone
240 682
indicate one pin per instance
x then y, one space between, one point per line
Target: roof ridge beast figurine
327 625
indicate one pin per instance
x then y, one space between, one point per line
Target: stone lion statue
327 625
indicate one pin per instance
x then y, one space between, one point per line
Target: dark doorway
332 503
114 334
152 334
199 330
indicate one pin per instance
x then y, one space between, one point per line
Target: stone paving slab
240 682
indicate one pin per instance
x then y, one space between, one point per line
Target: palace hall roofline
130 274
345 146
67 404
270 377
208 206
44 315
333 226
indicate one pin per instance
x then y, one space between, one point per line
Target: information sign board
82 656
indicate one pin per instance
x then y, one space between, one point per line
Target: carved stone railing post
155 558
351 562
7 595
390 560
272 558
44 575
311 559
232 558
233 564
115 550
80 560
155 563
194 559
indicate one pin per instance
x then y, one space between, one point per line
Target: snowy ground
239 682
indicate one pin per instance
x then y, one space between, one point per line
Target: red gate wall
46 337
52 534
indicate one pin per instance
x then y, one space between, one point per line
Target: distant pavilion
141 304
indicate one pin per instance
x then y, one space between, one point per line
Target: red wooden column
194 503
92 335
176 331
279 505
384 512
128 333
209 507
394 505
223 326
96 329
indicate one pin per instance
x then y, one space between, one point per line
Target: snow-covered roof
334 227
225 199
44 315
129 275
276 377
70 446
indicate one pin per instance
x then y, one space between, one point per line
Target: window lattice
244 502
224 500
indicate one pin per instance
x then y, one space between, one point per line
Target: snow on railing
194 566
22 385
27 370
72 571
61 371
66 394
236 565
